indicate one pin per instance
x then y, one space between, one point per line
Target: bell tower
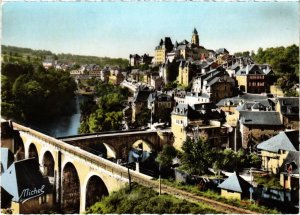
195 38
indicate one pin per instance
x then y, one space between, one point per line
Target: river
61 126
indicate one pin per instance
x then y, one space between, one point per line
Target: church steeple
195 38
195 31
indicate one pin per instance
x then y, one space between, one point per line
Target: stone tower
195 38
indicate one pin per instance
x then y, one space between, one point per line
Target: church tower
195 38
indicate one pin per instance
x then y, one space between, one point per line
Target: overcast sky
117 29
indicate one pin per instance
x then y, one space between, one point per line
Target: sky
117 29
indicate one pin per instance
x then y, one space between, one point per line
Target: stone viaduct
116 145
79 178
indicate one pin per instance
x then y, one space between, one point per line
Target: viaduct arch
89 174
118 144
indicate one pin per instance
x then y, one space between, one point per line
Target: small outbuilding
235 187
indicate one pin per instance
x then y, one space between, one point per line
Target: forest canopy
30 92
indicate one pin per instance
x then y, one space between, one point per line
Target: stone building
161 104
235 187
252 79
165 45
190 121
289 172
140 101
134 59
288 108
275 150
215 83
180 50
229 105
186 72
256 126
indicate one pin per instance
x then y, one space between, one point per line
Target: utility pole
151 120
235 138
251 188
159 179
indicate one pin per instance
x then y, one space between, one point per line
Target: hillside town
190 90
191 94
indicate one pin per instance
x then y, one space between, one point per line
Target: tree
143 118
196 156
166 156
164 115
230 160
35 92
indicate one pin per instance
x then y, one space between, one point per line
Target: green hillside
22 55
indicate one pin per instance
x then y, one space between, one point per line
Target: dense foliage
143 117
105 114
198 155
142 200
30 92
230 160
21 55
166 155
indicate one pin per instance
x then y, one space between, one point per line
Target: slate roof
204 106
5 198
289 105
243 97
235 183
250 69
235 66
22 175
261 104
167 42
6 129
222 51
159 96
288 141
213 81
260 118
134 56
182 109
7 158
251 97
198 111
245 106
292 157
141 96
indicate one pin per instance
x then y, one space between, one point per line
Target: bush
145 200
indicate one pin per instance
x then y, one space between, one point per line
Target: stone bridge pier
79 178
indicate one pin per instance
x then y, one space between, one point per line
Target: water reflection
63 125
